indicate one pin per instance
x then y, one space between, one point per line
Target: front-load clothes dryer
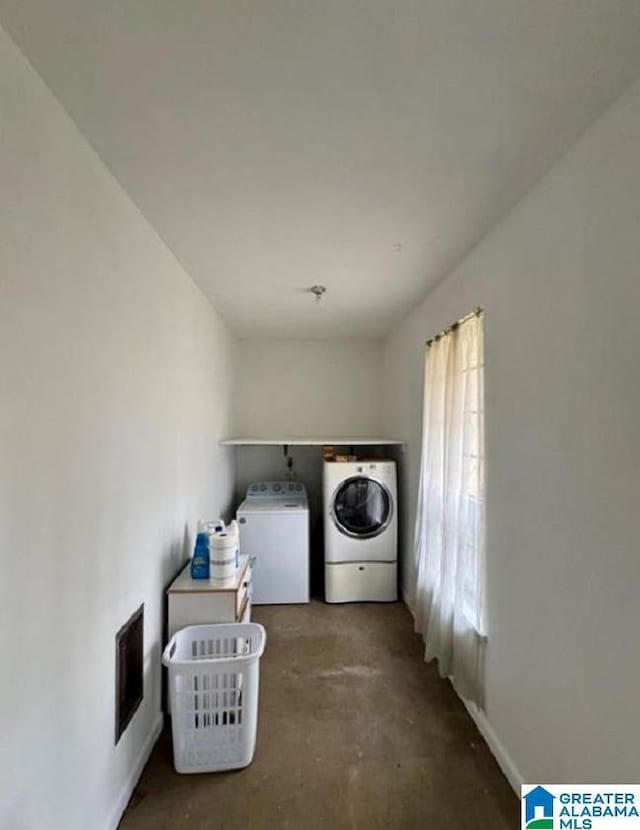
274 532
360 531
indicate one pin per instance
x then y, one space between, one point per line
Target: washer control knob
277 487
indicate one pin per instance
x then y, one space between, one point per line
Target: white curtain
449 601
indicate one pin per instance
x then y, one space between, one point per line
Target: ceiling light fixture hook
318 291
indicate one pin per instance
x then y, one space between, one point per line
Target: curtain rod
475 313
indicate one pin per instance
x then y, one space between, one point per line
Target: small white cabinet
202 601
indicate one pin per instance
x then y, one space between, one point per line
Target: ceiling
367 146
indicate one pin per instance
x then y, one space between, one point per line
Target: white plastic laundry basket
214 675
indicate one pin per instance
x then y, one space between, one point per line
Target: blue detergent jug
200 567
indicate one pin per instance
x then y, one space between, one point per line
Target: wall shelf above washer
311 442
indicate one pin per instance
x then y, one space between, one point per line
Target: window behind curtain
449 538
474 486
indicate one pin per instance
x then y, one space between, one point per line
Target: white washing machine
360 531
274 532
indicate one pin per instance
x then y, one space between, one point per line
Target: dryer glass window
362 507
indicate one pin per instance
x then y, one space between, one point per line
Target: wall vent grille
129 675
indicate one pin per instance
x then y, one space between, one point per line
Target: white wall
108 453
560 282
302 388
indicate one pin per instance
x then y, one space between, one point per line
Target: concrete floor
355 731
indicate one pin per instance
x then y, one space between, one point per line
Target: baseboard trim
125 794
505 761
404 595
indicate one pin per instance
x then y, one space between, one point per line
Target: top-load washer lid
361 507
280 506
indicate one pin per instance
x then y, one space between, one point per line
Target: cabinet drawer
245 616
200 609
244 593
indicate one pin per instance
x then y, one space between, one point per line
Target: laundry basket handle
169 651
257 652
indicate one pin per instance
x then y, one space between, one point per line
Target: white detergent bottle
214 526
234 531
224 553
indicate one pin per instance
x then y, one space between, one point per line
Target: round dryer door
361 507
